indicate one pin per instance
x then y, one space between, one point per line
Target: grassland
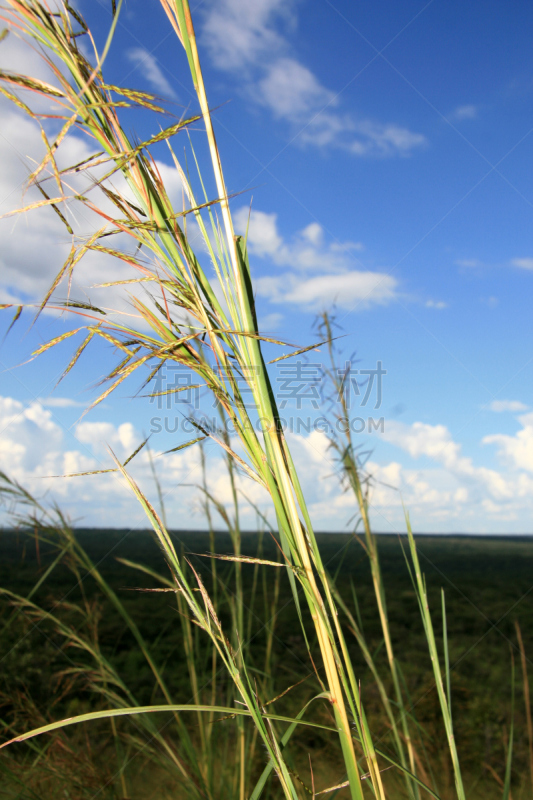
488 589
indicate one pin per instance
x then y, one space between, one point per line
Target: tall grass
231 336
194 317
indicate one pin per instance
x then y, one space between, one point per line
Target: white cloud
374 138
34 446
361 137
146 64
60 402
514 406
238 33
263 237
453 493
243 38
421 439
291 90
437 304
17 56
36 244
449 494
516 451
346 290
101 435
465 112
308 252
436 443
522 263
305 251
391 139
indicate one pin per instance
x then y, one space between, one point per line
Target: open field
488 587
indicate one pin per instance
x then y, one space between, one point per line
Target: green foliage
479 676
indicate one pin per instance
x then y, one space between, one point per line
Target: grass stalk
343 445
527 700
421 592
509 759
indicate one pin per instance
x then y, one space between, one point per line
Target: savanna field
486 583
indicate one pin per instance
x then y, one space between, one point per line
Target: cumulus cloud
320 274
361 137
245 39
516 451
451 492
146 64
377 139
16 56
35 445
347 290
448 493
36 244
436 443
270 322
306 251
104 434
262 232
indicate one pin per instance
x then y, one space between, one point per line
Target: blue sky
387 150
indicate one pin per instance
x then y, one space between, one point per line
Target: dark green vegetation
488 589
